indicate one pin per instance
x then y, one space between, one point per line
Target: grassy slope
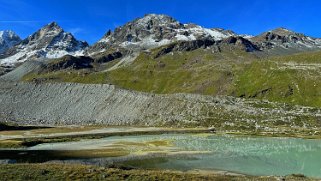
294 79
198 71
260 80
289 79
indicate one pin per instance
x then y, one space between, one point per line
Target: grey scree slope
86 104
63 103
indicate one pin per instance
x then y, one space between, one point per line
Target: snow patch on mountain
146 43
247 36
318 41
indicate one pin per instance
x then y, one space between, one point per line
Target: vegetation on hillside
293 79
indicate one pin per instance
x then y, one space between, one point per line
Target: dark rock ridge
5 69
69 61
108 57
185 46
239 42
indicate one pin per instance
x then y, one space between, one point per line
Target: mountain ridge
123 81
148 32
51 41
154 30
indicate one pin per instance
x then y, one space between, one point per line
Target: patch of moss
159 143
11 143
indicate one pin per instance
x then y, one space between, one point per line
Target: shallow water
247 155
254 156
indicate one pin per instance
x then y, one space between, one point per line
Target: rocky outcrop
69 62
238 42
185 46
108 57
5 70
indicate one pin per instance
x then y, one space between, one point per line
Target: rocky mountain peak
284 39
155 19
8 39
52 27
50 30
51 41
8 34
155 30
282 31
278 34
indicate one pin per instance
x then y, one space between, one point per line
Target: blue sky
90 19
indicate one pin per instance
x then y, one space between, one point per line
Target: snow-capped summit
8 39
52 36
160 18
51 41
155 30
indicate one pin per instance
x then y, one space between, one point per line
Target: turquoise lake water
240 154
248 155
254 156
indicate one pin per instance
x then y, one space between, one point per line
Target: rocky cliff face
50 41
